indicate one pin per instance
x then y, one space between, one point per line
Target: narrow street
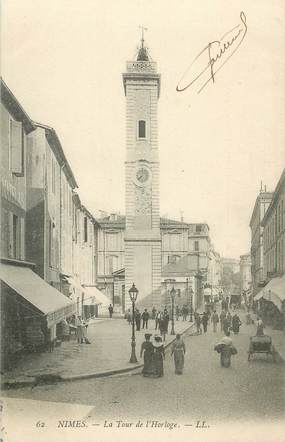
206 391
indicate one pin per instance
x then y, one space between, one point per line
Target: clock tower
142 235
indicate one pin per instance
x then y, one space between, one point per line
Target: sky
64 59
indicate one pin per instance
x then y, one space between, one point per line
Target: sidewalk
108 353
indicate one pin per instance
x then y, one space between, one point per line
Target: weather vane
143 29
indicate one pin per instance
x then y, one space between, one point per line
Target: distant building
185 250
230 263
245 273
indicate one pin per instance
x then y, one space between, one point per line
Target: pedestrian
260 327
205 319
198 323
138 319
248 319
177 313
153 313
158 357
158 319
222 318
178 350
227 303
163 324
110 308
236 323
229 317
79 330
65 330
226 350
85 328
147 352
227 323
166 319
145 318
184 313
215 320
129 316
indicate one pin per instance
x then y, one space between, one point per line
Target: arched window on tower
141 129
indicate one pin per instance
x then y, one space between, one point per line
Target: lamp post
133 292
198 277
172 294
191 305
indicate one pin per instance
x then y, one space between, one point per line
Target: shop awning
75 284
274 291
37 292
91 292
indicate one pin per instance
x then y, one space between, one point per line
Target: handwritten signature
212 58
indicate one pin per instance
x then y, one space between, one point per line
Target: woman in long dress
236 323
179 350
158 356
147 352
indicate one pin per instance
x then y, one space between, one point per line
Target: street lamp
172 294
191 305
133 292
198 277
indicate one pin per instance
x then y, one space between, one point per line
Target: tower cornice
135 76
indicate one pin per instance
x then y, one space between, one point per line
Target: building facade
15 128
50 183
30 308
270 299
273 224
257 266
245 273
186 249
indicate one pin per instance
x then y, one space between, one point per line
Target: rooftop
115 219
14 107
57 149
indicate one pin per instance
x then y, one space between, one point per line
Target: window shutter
22 238
10 235
16 147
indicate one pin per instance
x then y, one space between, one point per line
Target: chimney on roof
181 216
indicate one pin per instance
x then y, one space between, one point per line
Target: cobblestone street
109 350
248 390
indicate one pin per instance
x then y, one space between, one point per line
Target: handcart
261 344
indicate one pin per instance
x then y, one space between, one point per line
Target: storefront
95 300
30 310
270 303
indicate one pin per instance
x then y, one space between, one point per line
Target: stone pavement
108 353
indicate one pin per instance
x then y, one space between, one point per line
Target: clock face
142 175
